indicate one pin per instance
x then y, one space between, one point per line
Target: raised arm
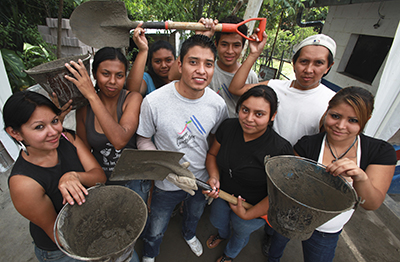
238 86
118 133
208 23
135 81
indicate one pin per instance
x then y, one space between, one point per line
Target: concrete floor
369 236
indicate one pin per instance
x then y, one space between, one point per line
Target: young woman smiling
366 163
235 163
108 124
54 168
160 59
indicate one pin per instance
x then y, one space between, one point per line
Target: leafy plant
14 64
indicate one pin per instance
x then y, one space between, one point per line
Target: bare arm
135 81
212 169
238 86
370 185
71 184
30 201
118 133
80 118
259 210
173 73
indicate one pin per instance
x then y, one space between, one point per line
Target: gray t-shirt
220 84
181 124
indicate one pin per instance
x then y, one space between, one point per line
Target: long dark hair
160 44
20 107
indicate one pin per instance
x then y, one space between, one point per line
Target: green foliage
16 62
286 40
35 11
179 10
18 79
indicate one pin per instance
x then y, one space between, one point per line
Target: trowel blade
144 164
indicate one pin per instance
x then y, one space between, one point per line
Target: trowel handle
222 194
224 27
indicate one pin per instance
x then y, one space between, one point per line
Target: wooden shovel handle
233 200
224 27
222 194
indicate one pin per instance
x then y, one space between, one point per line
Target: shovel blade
102 23
144 164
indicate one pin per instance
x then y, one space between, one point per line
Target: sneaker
148 259
195 246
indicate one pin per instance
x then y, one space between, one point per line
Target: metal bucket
303 196
51 77
104 228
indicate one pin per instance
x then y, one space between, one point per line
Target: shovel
105 23
156 165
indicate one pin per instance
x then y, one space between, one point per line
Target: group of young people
219 116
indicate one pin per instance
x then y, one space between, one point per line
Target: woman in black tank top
54 167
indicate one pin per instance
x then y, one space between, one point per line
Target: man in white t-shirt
303 101
181 116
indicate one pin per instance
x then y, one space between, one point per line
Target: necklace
342 155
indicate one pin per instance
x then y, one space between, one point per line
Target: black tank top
48 178
102 149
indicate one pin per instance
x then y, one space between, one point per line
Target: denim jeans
59 256
320 247
142 187
56 255
162 205
223 218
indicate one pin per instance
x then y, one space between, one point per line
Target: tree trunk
276 37
59 28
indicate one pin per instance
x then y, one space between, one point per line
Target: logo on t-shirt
187 137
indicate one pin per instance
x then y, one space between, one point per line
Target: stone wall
70 45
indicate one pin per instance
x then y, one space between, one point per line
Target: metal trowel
136 164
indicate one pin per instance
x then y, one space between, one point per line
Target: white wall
344 20
5 93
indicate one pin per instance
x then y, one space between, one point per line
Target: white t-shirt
299 111
338 222
220 84
181 124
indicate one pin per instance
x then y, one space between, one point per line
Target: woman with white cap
302 101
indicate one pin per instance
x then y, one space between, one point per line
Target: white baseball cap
320 39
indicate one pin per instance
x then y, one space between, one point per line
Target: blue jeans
162 205
56 255
59 256
223 218
320 247
142 187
